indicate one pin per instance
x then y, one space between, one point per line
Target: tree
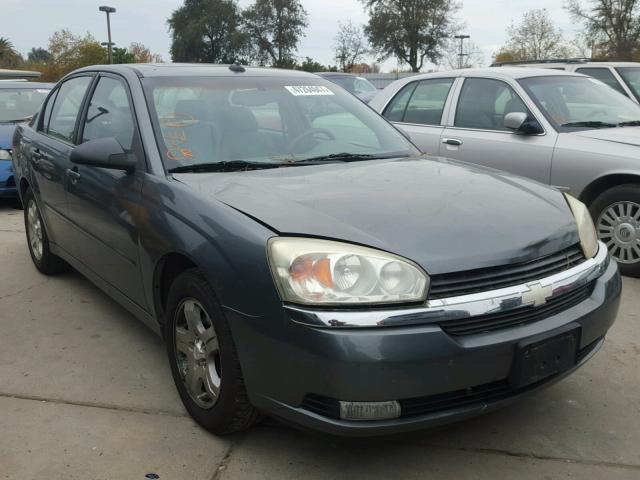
207 31
69 52
310 65
142 54
38 55
534 38
121 55
9 56
275 28
350 46
472 55
614 25
414 31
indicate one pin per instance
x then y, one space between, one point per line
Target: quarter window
109 114
47 111
484 103
66 108
604 75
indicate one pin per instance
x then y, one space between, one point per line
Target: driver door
103 203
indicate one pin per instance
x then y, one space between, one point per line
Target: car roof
194 70
335 74
571 63
26 85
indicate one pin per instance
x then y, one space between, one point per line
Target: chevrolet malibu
300 257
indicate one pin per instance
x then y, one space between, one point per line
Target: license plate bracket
541 357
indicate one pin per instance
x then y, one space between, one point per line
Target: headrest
192 108
242 119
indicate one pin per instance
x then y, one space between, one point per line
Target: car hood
446 216
6 134
626 135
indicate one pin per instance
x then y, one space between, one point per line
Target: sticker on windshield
308 90
41 90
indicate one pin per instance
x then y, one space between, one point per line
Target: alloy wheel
34 226
197 353
619 228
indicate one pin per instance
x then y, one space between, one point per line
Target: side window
427 102
396 108
109 114
604 75
66 108
484 102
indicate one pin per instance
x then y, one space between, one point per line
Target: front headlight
586 229
5 154
323 272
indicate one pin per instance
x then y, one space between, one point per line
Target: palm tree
9 57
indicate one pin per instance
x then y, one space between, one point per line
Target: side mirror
103 153
521 123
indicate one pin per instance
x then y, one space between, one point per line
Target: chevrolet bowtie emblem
537 294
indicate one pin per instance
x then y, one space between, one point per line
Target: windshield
265 121
20 103
631 76
578 102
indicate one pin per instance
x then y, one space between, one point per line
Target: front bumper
285 363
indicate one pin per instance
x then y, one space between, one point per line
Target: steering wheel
311 133
596 112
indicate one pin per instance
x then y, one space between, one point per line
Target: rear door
476 132
418 109
103 203
49 154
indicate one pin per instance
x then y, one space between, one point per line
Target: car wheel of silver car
203 357
616 213
37 238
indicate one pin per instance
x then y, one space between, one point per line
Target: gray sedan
298 254
559 128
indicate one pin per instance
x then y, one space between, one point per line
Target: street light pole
461 54
108 11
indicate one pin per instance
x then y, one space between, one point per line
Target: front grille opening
11 182
441 402
518 316
483 279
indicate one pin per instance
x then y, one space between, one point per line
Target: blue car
19 100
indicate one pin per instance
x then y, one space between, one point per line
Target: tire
203 358
38 240
616 214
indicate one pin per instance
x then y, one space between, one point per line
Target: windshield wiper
226 166
590 124
630 123
342 157
18 120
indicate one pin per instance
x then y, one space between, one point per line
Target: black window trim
505 132
142 162
74 135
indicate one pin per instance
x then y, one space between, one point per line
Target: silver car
560 128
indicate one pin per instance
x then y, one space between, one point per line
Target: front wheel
616 213
38 240
203 357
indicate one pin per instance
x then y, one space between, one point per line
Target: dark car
19 100
358 86
300 257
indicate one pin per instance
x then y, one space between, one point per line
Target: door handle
73 174
36 156
452 141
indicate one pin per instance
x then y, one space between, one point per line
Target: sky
29 23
